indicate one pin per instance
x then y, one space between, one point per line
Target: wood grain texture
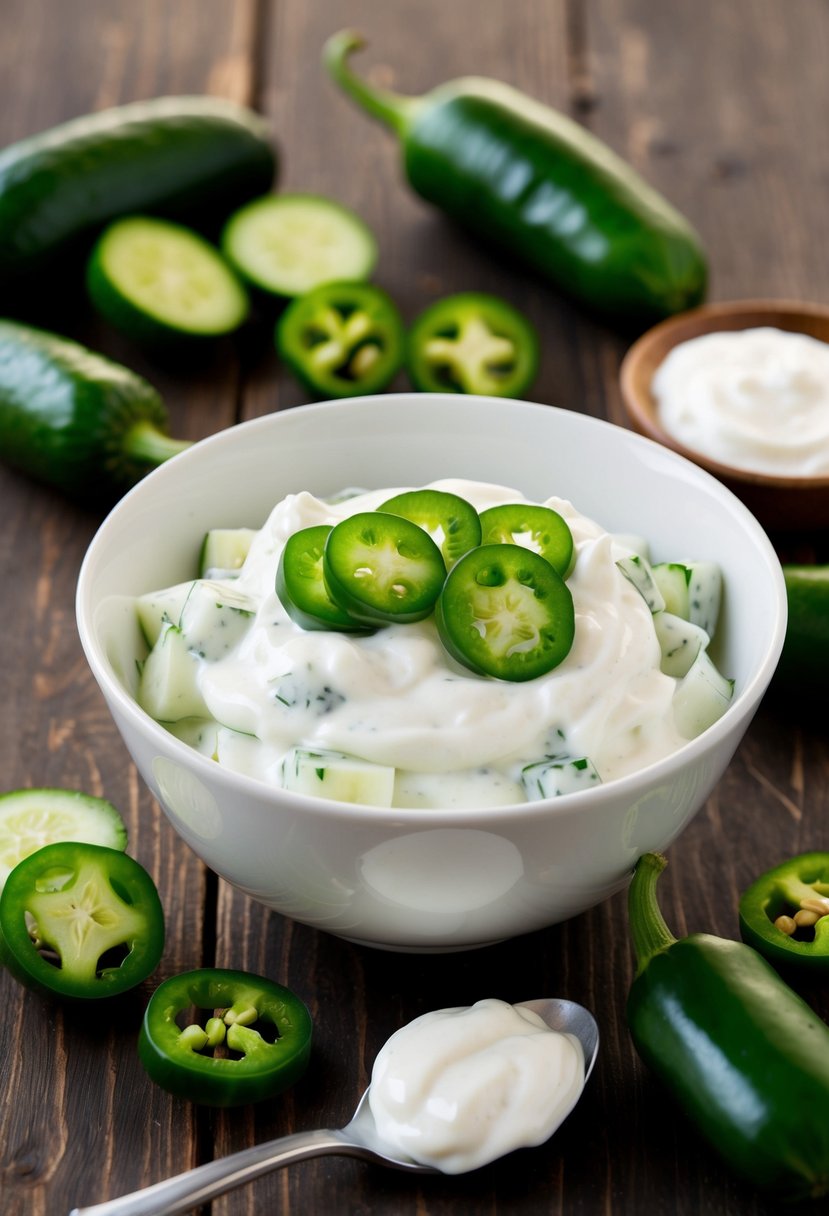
721 107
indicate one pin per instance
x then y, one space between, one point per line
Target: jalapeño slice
250 1040
541 529
450 520
505 612
382 569
301 587
473 343
80 920
342 339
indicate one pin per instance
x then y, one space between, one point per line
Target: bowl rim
644 415
628 786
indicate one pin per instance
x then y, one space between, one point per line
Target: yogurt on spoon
457 1088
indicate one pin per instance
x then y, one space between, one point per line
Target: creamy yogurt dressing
395 698
757 399
458 1088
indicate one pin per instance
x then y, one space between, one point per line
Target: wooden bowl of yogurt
742 389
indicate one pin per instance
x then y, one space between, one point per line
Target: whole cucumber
76 420
182 157
536 185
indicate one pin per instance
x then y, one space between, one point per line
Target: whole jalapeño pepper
529 180
745 1057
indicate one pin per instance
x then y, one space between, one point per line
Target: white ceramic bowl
413 879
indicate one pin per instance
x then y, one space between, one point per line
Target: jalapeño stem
145 442
648 929
391 108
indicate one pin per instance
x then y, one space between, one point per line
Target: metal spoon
357 1139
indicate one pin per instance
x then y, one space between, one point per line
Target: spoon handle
197 1186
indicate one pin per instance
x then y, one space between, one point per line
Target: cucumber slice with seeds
31 819
159 283
288 244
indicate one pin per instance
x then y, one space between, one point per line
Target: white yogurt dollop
757 399
458 1088
394 698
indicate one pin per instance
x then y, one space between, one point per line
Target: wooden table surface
723 107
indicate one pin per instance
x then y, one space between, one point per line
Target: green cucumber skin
65 411
182 157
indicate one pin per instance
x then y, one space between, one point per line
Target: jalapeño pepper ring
227 1061
785 913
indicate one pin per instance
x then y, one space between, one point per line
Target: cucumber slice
159 608
224 550
559 775
288 244
168 690
214 618
692 590
701 698
679 641
31 819
341 778
160 283
638 571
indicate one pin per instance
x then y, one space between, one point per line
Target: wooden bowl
781 503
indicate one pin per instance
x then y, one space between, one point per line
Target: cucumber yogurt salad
447 646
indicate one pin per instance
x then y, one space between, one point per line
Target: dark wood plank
80 1120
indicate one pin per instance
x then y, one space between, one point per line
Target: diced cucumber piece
214 618
679 641
198 733
692 590
31 819
637 544
159 608
224 550
701 697
168 689
704 595
638 572
341 778
559 775
672 580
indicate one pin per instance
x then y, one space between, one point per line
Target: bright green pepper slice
301 587
784 914
382 569
451 521
254 1043
473 343
342 339
80 920
545 531
505 612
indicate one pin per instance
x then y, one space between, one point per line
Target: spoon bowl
359 1138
